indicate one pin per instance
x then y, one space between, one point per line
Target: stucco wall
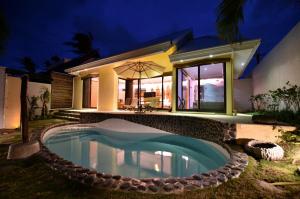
2 94
108 90
77 94
12 105
36 89
242 92
264 132
282 64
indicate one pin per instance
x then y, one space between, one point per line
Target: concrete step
77 119
69 113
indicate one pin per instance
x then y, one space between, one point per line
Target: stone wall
202 128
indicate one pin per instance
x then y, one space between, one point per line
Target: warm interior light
211 56
181 60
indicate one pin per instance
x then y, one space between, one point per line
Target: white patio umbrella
139 70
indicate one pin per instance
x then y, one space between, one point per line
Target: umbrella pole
139 89
139 94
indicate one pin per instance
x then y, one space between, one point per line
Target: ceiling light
243 64
181 60
211 56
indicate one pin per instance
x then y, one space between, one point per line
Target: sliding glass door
201 88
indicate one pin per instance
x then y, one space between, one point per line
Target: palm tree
3 32
28 65
230 15
82 43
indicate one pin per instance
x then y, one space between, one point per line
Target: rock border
236 165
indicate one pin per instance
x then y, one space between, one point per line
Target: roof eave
218 50
123 56
254 49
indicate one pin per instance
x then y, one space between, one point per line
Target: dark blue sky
39 28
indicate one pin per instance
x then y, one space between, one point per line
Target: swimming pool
138 153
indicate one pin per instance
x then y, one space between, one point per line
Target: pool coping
235 166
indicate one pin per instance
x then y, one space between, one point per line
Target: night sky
38 28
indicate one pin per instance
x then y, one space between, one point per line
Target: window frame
195 64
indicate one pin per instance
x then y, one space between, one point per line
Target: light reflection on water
137 155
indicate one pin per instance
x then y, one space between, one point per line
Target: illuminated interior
155 92
201 88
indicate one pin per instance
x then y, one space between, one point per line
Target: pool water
139 155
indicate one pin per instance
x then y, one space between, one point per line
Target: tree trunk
24 116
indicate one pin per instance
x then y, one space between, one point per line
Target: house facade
199 75
281 64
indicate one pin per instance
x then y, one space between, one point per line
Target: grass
31 178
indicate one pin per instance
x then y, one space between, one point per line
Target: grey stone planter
264 150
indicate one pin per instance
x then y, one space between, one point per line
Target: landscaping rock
126 179
158 181
135 182
125 185
146 180
21 151
189 187
117 177
107 176
168 187
197 177
171 180
133 188
178 185
141 187
108 182
153 188
89 180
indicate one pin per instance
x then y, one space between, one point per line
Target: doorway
90 92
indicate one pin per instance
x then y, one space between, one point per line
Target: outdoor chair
152 103
131 105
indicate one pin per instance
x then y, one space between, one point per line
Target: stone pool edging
236 165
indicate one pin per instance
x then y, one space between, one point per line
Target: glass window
188 88
212 87
201 88
167 92
121 93
155 92
151 92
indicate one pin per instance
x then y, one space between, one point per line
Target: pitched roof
201 43
156 45
62 66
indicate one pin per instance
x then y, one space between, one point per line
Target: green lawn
32 178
